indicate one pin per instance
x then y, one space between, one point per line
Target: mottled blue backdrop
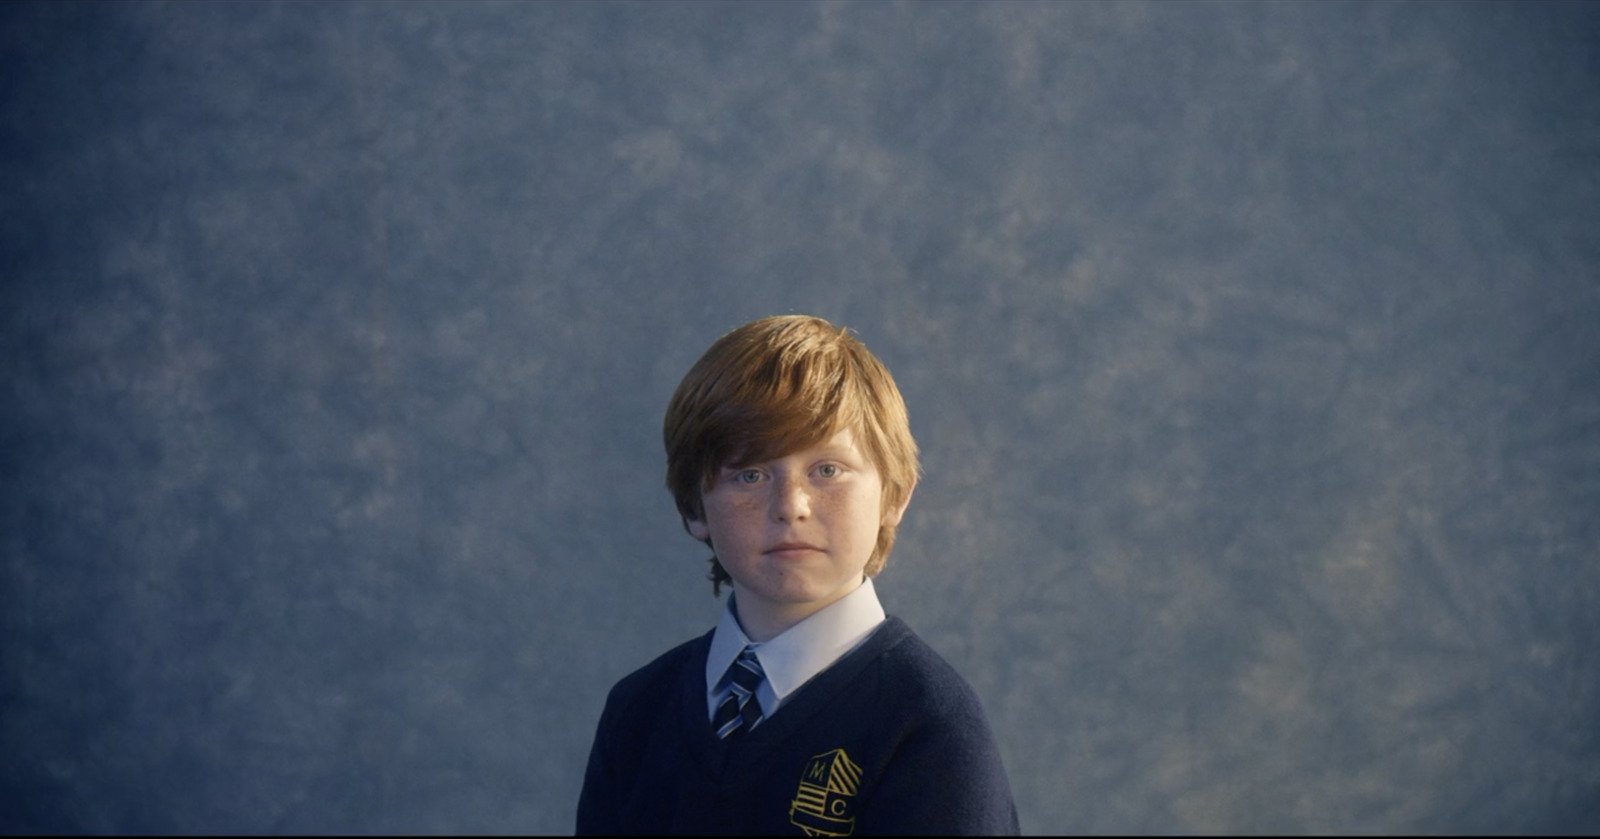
1254 349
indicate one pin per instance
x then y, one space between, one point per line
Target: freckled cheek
740 520
746 507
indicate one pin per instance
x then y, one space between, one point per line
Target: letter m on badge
825 804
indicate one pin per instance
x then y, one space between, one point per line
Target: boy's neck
763 621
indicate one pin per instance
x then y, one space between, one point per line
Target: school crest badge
825 804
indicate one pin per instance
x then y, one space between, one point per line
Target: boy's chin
796 593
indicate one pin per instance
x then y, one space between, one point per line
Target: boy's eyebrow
837 451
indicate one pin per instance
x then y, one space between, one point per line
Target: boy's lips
792 548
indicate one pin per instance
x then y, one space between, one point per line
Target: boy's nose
790 501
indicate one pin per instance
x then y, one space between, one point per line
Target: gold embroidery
825 804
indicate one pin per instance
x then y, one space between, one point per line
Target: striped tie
741 710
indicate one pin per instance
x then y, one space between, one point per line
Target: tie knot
746 670
740 710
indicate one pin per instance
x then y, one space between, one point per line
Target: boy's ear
891 516
697 528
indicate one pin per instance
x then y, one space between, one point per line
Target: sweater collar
800 652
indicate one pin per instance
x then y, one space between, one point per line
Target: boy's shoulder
651 681
920 676
923 729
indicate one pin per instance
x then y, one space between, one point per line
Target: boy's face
795 532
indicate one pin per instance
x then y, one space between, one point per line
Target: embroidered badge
825 804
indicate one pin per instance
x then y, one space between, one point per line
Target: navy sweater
890 739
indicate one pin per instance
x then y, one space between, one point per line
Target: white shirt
798 653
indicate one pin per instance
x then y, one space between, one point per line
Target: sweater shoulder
923 679
652 681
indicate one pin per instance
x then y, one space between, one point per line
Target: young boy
806 710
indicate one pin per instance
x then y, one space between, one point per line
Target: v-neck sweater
890 739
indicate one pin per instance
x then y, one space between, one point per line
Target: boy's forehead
842 440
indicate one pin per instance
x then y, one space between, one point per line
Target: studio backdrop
1253 350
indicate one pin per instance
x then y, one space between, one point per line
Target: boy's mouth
791 548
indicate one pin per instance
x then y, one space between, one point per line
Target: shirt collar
802 651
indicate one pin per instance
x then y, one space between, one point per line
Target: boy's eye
749 476
828 470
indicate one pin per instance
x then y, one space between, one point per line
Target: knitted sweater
890 739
